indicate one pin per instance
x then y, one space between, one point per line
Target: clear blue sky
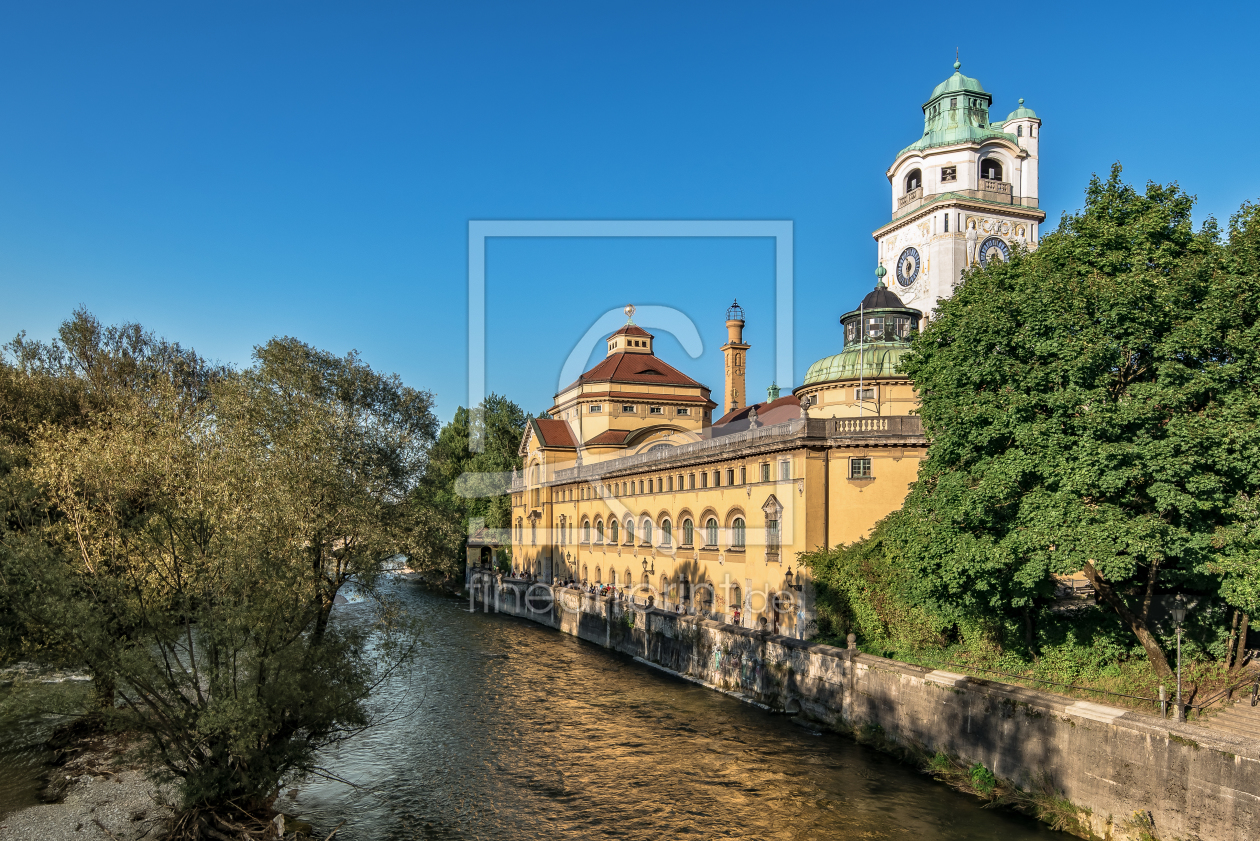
226 172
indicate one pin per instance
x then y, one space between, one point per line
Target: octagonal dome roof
877 359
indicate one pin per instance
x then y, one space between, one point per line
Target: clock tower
963 194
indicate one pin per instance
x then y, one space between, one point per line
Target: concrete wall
1195 783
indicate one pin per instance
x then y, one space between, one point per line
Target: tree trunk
1242 643
1108 594
1229 646
105 689
1029 635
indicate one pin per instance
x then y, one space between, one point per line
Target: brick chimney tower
736 353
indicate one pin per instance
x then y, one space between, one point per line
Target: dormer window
914 180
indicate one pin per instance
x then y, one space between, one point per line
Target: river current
504 729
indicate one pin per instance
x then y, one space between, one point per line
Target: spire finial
1021 102
957 63
629 311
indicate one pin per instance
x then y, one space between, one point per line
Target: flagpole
861 358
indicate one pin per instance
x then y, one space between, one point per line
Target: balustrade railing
735 442
913 195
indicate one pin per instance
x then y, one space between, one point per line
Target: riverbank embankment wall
1184 780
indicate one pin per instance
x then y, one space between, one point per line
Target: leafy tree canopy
1091 406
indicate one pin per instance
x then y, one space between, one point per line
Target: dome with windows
957 112
876 336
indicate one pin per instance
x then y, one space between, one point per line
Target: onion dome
958 83
876 336
957 112
1022 113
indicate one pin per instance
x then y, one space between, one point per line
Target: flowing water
508 730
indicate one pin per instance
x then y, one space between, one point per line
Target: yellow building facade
631 483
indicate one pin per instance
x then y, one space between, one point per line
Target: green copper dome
874 359
1022 113
957 112
876 336
957 83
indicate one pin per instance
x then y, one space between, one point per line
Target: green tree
460 484
191 545
1091 406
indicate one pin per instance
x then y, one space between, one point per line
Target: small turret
735 351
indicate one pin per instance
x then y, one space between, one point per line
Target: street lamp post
1179 616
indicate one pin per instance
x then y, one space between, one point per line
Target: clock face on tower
908 267
994 248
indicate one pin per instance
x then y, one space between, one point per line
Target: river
507 730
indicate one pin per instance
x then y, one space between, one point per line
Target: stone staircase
1240 718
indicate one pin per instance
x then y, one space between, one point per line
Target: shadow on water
33 701
561 739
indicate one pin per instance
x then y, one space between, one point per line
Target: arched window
914 180
627 579
990 170
599 531
667 533
583 572
597 578
1019 131
586 531
737 533
711 528
612 531
647 532
533 531
688 530
562 531
737 596
630 531
612 577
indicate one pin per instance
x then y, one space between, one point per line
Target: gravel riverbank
119 805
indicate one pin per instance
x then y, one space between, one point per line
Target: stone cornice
1030 214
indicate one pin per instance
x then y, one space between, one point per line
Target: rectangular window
684 411
765 472
660 485
640 486
596 408
859 468
946 223
785 470
717 478
704 480
743 475
671 483
656 410
863 394
953 103
949 173
627 409
691 481
730 476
